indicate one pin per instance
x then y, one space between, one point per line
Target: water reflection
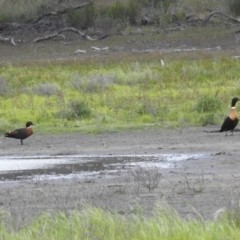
28 167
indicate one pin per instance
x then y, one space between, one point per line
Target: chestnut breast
233 114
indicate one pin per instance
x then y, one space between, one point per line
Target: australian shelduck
231 121
21 133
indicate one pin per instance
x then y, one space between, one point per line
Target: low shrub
75 110
208 104
83 18
80 109
45 89
208 119
234 7
5 87
94 84
22 10
124 13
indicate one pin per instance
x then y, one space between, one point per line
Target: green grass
94 223
136 91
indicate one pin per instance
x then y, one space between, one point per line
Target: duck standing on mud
21 133
231 121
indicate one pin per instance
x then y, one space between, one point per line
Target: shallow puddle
69 166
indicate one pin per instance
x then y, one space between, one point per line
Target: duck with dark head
21 133
231 121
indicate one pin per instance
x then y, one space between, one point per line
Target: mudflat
196 188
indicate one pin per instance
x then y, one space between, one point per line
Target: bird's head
29 124
234 101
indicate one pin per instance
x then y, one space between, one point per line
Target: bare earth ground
195 187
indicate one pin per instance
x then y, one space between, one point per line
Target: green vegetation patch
139 91
94 223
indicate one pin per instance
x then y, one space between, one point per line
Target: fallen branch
8 39
206 19
100 49
80 51
39 39
58 34
63 11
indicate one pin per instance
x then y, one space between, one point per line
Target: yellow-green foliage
136 91
94 223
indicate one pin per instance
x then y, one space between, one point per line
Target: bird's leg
225 133
21 142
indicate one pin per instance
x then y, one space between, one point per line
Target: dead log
58 34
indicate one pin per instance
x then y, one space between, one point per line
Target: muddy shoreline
152 141
196 188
